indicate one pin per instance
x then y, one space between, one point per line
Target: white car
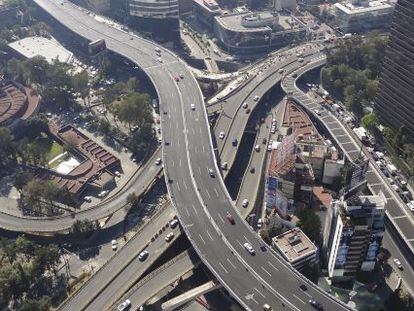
160 60
211 172
143 255
123 306
221 135
169 237
192 107
224 166
158 161
114 245
117 174
245 105
398 263
249 248
281 70
245 203
257 148
88 199
103 193
173 223
259 223
256 98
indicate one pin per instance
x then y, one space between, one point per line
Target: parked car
88 198
103 194
245 203
114 245
143 255
398 263
173 223
169 236
158 161
316 304
124 306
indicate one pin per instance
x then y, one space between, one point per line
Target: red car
230 218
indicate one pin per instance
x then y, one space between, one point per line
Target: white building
157 9
363 15
356 232
295 247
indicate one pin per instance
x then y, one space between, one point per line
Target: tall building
356 232
160 17
395 99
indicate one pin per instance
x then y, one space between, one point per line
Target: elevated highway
201 201
396 211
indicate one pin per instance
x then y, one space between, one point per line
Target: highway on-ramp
201 200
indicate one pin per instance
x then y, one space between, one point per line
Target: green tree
83 228
80 83
310 224
370 122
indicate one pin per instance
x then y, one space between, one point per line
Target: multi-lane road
201 200
397 212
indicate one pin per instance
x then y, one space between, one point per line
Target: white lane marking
247 240
251 297
203 149
179 163
208 233
193 130
186 209
221 218
299 299
272 266
399 217
178 142
201 238
221 265
208 194
307 294
195 211
195 149
259 292
266 271
231 264
199 170
239 243
172 163
215 190
178 186
185 185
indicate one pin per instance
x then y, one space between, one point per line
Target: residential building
363 15
395 98
356 230
249 32
295 247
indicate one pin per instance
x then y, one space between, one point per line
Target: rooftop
350 8
248 22
294 245
209 5
39 46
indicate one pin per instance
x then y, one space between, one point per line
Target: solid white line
201 238
299 299
266 271
231 264
272 266
399 217
259 292
208 233
221 265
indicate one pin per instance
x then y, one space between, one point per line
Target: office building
363 15
159 17
295 247
356 230
205 11
249 33
394 103
280 5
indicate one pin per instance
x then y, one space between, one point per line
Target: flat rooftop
350 8
294 245
39 46
234 21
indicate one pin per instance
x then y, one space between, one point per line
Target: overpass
200 200
396 210
160 278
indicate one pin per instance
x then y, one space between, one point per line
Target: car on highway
157 49
294 75
245 203
173 223
87 198
257 148
316 304
224 166
245 105
248 110
124 306
211 172
103 194
266 307
256 98
230 218
234 142
114 245
249 248
281 70
181 76
221 135
192 107
143 255
169 236
176 79
158 161
259 223
159 59
398 263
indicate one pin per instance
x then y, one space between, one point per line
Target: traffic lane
132 272
115 264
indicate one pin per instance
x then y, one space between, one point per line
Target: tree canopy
310 224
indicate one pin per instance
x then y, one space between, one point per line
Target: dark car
230 218
234 142
317 305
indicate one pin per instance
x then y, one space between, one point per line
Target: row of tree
28 275
353 69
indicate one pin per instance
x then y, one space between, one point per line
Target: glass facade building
395 99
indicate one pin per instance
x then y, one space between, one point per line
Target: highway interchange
200 200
